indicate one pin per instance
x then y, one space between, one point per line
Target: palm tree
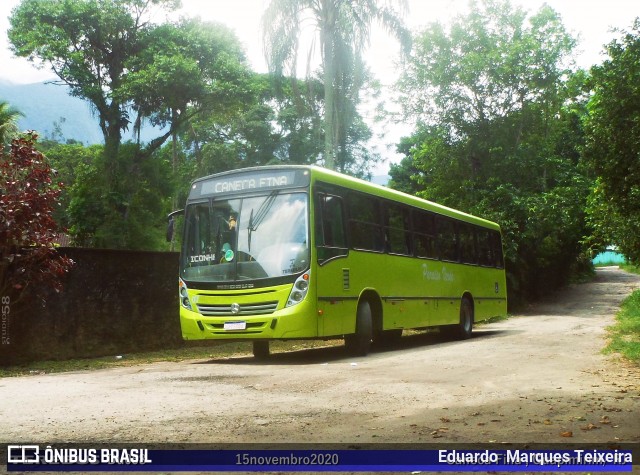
343 29
8 123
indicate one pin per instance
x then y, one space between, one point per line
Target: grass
625 333
630 268
499 318
217 351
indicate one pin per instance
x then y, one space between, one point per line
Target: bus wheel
463 329
261 350
359 343
466 320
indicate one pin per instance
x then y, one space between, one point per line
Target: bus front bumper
299 321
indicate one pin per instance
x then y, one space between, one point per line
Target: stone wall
113 303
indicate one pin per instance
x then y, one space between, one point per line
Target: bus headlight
184 295
299 290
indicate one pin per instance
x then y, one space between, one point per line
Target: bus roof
331 177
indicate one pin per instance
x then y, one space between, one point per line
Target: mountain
42 104
51 111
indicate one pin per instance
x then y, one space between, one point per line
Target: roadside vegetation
625 333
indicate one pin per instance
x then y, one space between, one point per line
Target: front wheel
359 343
261 350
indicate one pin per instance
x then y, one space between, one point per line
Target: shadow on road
337 352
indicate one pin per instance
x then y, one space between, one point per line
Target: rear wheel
463 329
359 343
261 349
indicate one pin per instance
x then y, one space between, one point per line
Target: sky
590 20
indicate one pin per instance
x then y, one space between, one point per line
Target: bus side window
447 239
467 244
485 253
364 223
397 229
330 231
424 232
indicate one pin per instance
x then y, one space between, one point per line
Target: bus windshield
245 239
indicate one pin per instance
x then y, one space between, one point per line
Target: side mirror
171 224
170 227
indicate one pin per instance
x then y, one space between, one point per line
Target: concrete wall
113 303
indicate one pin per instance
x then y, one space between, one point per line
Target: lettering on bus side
437 274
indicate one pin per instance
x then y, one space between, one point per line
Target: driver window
330 231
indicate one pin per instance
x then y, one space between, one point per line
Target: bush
27 229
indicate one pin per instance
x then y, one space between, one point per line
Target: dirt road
532 378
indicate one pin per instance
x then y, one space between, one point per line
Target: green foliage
498 136
613 144
276 125
631 268
89 45
625 334
488 65
130 216
187 69
609 225
112 54
69 161
8 123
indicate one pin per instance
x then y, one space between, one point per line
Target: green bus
301 252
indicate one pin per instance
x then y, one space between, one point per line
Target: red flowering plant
27 229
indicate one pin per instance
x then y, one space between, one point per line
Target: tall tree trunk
328 50
329 119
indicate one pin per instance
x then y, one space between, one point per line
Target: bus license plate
235 325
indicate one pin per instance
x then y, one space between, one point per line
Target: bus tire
261 349
359 343
463 329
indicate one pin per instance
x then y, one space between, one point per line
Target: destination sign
250 181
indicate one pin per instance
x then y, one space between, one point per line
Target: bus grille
224 310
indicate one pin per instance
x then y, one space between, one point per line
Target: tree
87 44
609 226
613 139
71 162
129 68
489 65
274 126
28 197
343 31
8 123
499 129
185 70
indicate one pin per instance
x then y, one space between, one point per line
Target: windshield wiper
258 218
